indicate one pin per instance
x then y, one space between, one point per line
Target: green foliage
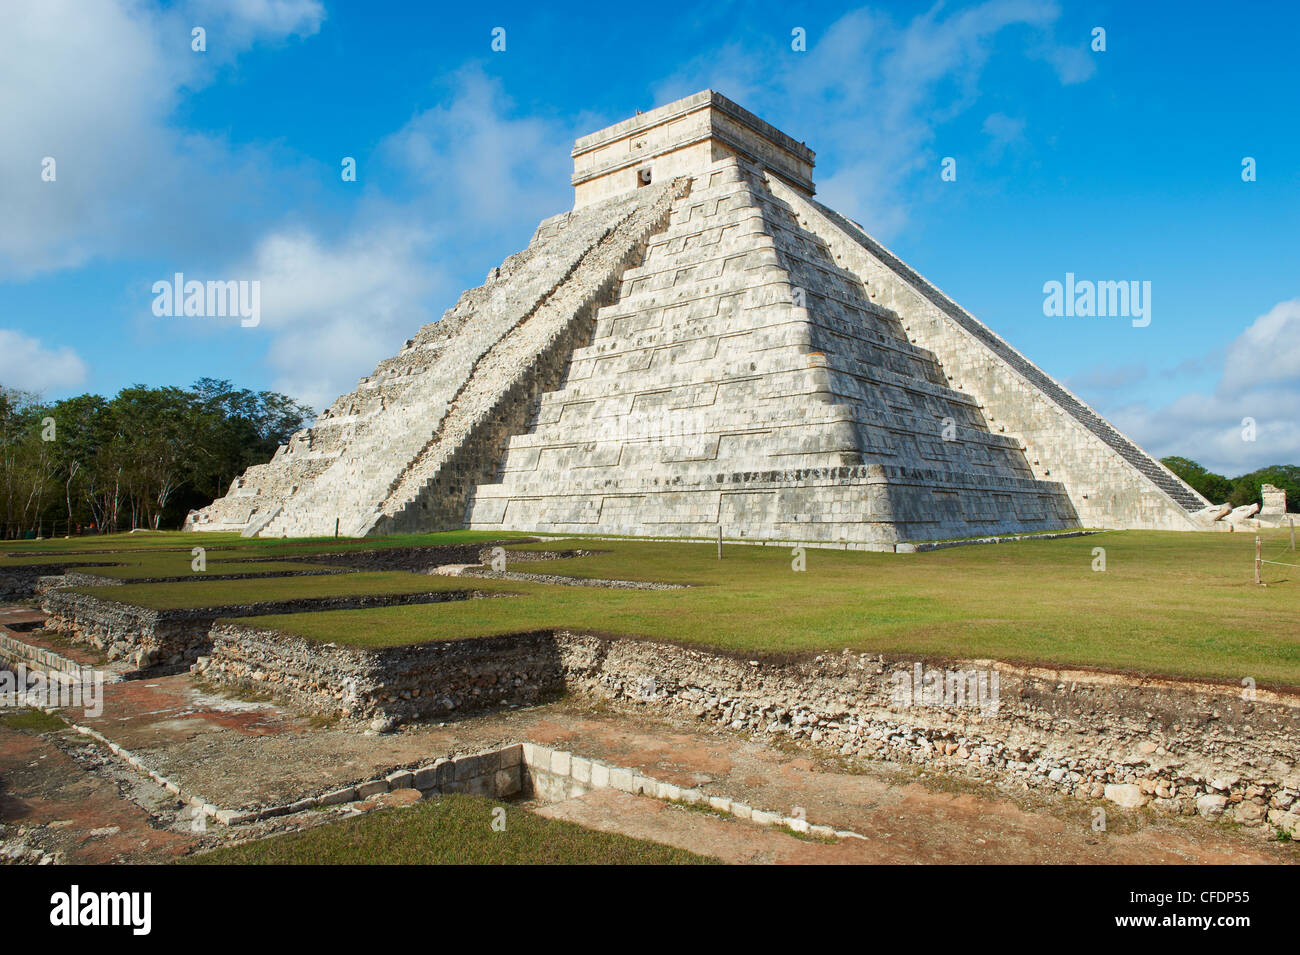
32 721
142 459
450 830
1242 490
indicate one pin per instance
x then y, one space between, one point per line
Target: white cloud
476 171
27 365
477 165
335 310
1266 353
245 21
868 88
92 86
1260 381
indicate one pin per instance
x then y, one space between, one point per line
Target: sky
1123 163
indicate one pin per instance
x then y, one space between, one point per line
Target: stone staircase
396 451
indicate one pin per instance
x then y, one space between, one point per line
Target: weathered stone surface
1134 741
711 348
172 637
1211 805
1126 795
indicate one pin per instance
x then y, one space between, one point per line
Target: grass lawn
31 720
449 830
180 565
58 559
1179 604
150 540
222 593
248 547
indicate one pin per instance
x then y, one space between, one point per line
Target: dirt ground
72 800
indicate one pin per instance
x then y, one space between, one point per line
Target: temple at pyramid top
683 138
699 345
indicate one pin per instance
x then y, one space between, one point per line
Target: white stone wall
1111 482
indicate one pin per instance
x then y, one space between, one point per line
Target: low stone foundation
177 637
1179 747
386 686
20 584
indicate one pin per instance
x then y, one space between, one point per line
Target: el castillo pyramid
700 343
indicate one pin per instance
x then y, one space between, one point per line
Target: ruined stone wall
1178 746
174 637
437 680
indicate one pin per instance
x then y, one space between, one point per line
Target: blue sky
225 164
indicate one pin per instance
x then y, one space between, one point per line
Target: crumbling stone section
1180 747
19 584
175 637
391 685
1273 513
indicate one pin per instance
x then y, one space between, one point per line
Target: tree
1213 487
1238 491
141 459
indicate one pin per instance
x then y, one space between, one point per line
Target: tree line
142 459
1242 490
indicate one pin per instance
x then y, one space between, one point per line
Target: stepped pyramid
700 343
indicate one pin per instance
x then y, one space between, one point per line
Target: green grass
248 547
32 721
54 559
450 830
224 593
180 565
1179 604
117 542
1168 604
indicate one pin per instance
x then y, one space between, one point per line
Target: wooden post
1292 520
336 528
1258 556
719 542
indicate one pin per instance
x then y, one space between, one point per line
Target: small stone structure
173 637
699 342
1273 513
